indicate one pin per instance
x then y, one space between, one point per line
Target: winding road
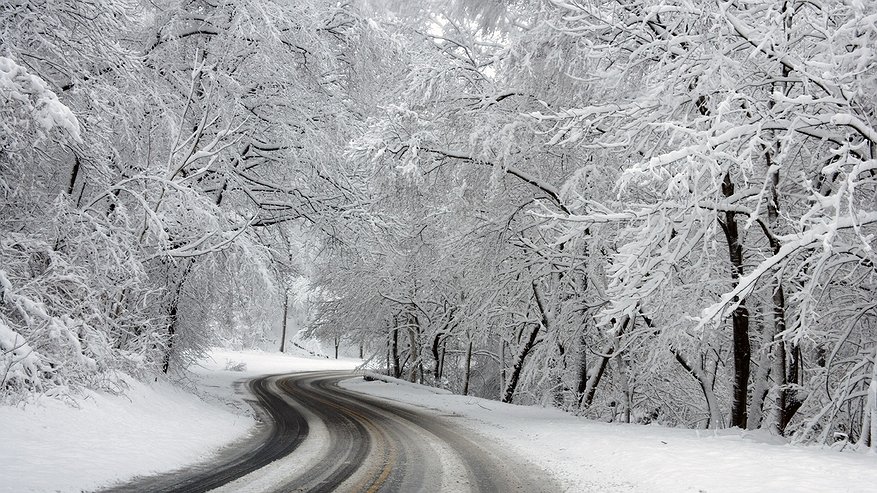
316 436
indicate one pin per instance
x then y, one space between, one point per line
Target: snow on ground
48 445
590 456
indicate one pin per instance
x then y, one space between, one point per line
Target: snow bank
591 456
263 363
50 446
152 428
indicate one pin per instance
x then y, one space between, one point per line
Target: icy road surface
319 437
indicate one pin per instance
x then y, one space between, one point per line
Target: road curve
319 437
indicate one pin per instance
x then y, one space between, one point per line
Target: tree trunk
74 175
625 387
740 317
414 351
594 377
786 398
285 313
394 349
173 317
436 372
171 336
712 403
502 371
760 388
442 358
560 389
872 406
515 375
868 435
468 368
582 376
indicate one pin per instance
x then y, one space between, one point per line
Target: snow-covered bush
73 307
72 294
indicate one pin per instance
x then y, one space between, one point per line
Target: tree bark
868 435
625 388
442 358
515 374
502 370
583 366
285 313
594 377
414 351
394 350
760 389
787 400
739 318
712 403
468 368
74 175
173 315
171 336
436 356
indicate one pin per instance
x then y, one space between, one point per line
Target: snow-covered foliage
31 107
151 154
61 271
636 210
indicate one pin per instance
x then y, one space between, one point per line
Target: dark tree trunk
394 351
414 354
74 175
441 367
740 317
285 312
173 315
171 336
594 377
594 380
515 374
583 365
437 370
468 369
502 369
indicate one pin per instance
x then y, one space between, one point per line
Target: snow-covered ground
587 456
50 446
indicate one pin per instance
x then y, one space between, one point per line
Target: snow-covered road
359 443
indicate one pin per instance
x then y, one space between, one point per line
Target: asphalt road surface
316 436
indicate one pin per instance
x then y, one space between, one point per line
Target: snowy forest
633 210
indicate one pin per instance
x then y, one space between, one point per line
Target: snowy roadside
49 446
156 427
590 456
